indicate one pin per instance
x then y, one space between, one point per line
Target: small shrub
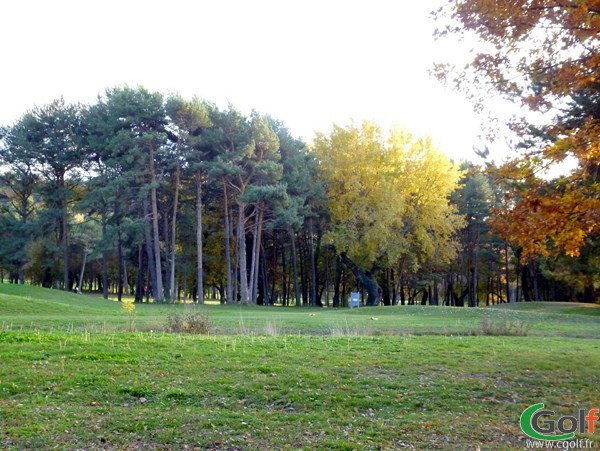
503 327
128 308
191 323
272 329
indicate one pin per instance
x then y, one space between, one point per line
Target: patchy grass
73 377
155 391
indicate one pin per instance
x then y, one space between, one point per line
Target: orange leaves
546 53
547 43
547 224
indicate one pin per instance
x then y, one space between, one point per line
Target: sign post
354 299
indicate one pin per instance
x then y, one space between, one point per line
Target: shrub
191 323
503 327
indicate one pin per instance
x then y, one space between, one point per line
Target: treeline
170 199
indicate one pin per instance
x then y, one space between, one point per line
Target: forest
169 199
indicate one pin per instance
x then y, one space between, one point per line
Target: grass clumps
503 326
190 323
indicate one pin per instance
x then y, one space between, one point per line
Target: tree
16 196
247 165
189 118
127 135
387 198
546 55
48 140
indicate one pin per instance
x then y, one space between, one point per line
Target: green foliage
128 183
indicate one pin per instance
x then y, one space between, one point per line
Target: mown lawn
73 377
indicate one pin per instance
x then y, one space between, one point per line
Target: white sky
309 63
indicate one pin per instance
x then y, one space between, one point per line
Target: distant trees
144 195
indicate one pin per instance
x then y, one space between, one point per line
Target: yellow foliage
128 306
388 195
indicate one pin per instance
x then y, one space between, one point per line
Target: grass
72 377
34 308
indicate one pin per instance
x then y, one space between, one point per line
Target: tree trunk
149 248
119 264
158 289
241 242
273 298
139 285
229 292
435 299
174 222
166 278
313 266
338 281
507 273
64 225
80 282
104 261
534 278
199 246
256 246
295 267
367 280
125 277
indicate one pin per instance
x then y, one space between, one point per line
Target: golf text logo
535 426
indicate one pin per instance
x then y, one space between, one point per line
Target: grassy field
76 374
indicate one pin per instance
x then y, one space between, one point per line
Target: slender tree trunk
338 281
525 283
229 293
125 277
80 282
313 266
174 222
64 232
24 213
104 261
507 273
119 264
274 274
534 278
241 241
401 286
158 289
302 245
284 277
139 286
295 268
149 247
168 296
256 245
199 245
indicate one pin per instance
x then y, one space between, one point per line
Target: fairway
76 375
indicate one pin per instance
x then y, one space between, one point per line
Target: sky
309 63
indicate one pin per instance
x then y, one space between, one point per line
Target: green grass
34 308
72 377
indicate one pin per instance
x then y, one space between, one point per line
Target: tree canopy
172 199
545 55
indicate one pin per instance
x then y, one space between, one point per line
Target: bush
503 327
191 323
